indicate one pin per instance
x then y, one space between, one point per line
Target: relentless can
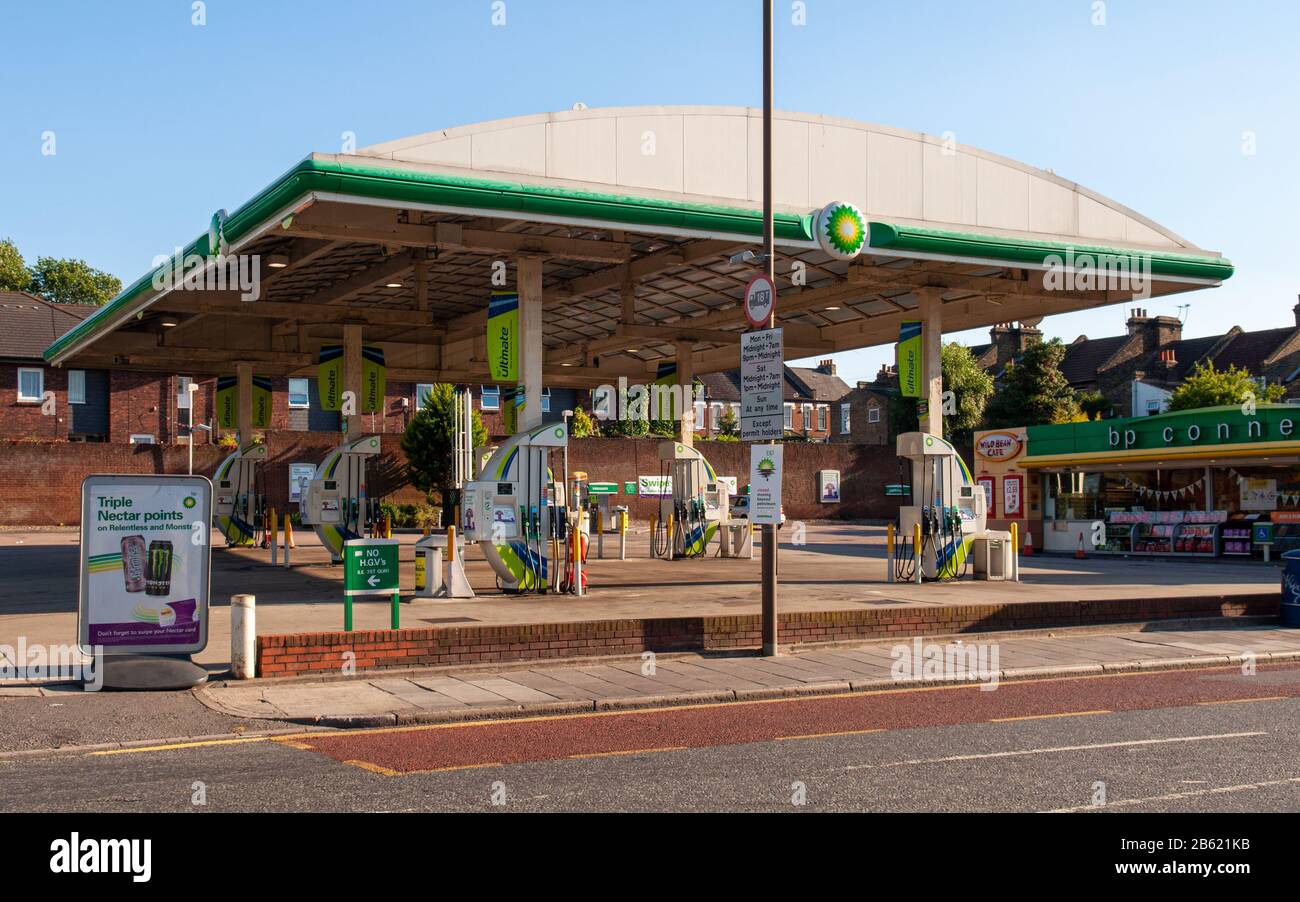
133 563
158 573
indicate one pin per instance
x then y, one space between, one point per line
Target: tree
728 424
429 440
1210 387
1033 391
1094 405
583 425
970 387
66 281
14 275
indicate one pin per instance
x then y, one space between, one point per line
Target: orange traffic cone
1080 553
1029 544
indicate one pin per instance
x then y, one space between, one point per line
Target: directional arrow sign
370 567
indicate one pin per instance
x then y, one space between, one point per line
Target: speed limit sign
760 301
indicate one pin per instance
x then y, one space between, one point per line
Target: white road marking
1175 796
1060 748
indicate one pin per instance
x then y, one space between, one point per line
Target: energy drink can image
133 563
158 573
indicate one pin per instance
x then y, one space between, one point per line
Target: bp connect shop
1213 482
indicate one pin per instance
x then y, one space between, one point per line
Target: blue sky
159 122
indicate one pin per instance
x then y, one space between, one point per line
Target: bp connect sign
760 301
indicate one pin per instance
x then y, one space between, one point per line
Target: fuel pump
239 496
337 503
947 504
517 512
698 504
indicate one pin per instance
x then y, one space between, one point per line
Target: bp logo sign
841 230
189 502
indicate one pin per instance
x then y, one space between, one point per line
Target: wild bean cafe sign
1208 428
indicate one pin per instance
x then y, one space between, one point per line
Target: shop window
299 394
31 385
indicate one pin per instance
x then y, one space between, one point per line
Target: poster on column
329 377
145 564
766 472
909 360
374 380
503 337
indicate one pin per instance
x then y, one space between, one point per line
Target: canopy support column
352 336
530 341
931 309
686 380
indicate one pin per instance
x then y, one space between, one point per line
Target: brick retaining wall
308 653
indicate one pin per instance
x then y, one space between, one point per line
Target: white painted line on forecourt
1175 796
1060 748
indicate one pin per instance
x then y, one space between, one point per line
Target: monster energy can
158 573
133 563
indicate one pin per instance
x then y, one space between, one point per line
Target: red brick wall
25 421
306 653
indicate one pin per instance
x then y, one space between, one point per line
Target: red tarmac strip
400 750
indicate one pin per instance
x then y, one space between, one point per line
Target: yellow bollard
916 551
654 521
1015 551
671 550
889 554
274 535
451 544
388 526
288 532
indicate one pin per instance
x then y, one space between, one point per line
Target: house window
1153 407
715 417
423 392
31 385
807 417
76 386
142 439
873 414
844 419
823 418
490 397
789 416
546 400
299 394
183 392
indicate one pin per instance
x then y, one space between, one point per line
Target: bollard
288 539
622 535
388 526
275 538
451 544
672 552
243 636
916 551
653 523
600 536
1015 551
889 554
577 559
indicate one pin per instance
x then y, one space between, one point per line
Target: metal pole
770 637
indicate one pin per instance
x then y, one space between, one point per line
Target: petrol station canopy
634 215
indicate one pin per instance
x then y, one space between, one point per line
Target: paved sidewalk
445 695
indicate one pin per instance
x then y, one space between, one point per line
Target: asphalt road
1184 741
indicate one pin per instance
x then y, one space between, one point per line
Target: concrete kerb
810 690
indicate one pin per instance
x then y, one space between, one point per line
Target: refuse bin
1291 588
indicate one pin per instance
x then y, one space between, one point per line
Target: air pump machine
690 516
948 505
239 496
337 503
516 511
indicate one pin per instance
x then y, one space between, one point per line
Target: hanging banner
909 360
329 377
503 337
374 380
512 407
262 394
662 404
228 402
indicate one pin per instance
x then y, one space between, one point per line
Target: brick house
811 399
862 415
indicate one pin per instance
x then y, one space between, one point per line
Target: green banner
503 337
329 377
262 393
228 402
374 380
909 360
512 408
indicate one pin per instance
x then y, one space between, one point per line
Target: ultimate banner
374 379
503 337
228 402
909 360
